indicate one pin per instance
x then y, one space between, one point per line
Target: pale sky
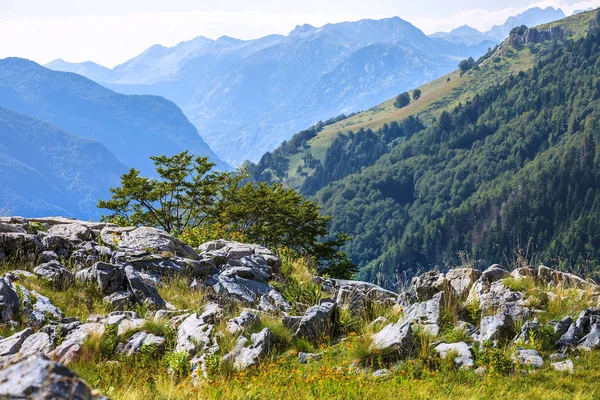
110 32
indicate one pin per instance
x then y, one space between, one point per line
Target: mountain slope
402 182
132 127
515 168
252 95
46 170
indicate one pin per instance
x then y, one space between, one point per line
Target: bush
402 100
178 363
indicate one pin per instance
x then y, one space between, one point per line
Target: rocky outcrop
247 353
36 377
317 323
155 241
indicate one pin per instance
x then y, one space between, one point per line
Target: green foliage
402 100
182 198
515 167
416 94
496 360
466 65
178 363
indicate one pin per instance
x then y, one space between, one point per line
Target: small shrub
496 360
178 363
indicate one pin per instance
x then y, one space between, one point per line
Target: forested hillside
515 168
483 168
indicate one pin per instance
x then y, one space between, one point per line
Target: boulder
9 301
591 340
42 310
428 284
562 326
12 344
529 358
38 343
55 272
74 232
20 245
110 278
36 377
395 338
249 291
242 322
70 349
120 300
564 366
196 330
464 356
497 327
111 235
143 292
426 314
156 241
60 245
461 280
317 323
570 337
245 355
222 251
135 343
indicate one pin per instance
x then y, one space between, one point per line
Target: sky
110 32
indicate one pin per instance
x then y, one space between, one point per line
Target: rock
221 251
242 357
42 310
127 325
20 245
428 284
396 338
591 340
426 314
197 330
524 272
498 298
317 323
9 301
111 236
61 246
135 343
562 326
162 266
120 300
36 377
571 337
495 273
38 343
70 349
55 272
382 373
461 280
75 232
247 291
564 366
12 344
304 358
526 330
48 256
143 293
468 328
242 322
530 358
110 278
464 357
549 276
497 327
156 241
11 228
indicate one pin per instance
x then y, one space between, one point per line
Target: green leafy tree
190 200
182 198
466 65
402 100
416 94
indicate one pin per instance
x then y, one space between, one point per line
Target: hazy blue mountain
464 35
582 11
88 69
132 127
471 36
48 171
532 17
249 96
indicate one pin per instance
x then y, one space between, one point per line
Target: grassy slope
437 96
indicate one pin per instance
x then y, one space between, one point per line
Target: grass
176 290
334 377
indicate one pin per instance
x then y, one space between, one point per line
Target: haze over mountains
471 36
252 95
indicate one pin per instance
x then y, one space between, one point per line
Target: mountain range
471 36
497 161
252 95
